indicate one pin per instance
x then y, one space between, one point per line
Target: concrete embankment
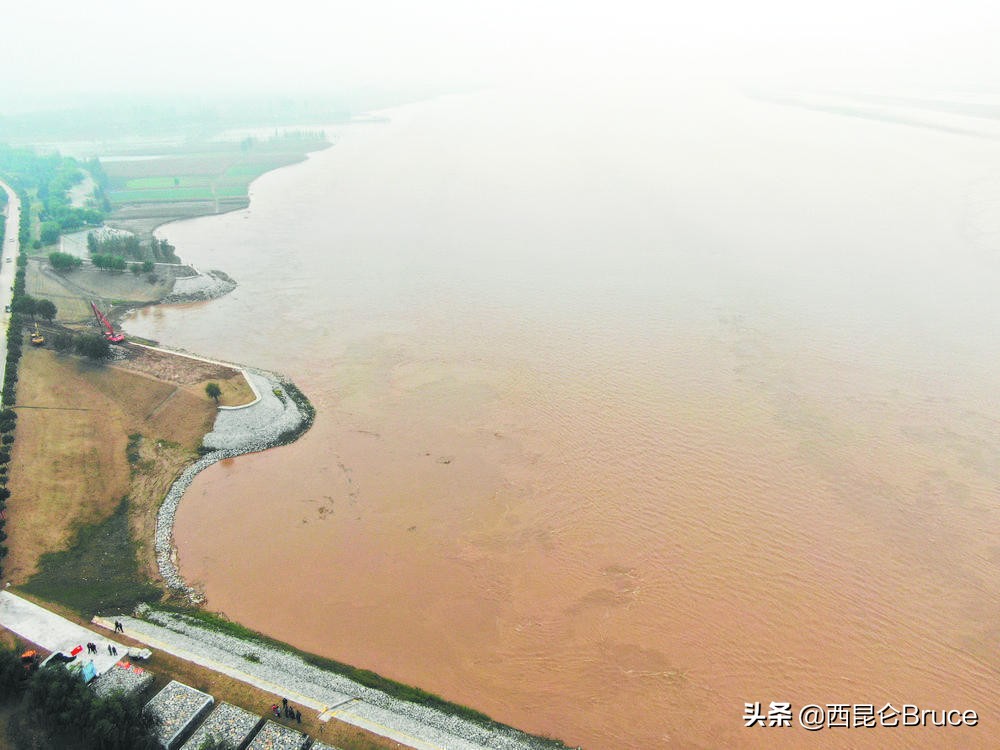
334 696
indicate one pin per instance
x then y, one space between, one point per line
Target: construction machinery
109 331
37 339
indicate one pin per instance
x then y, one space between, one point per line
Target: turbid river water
630 412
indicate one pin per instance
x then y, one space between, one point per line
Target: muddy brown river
631 411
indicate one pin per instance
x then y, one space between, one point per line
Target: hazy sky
193 45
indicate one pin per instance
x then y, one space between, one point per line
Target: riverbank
277 438
278 415
333 694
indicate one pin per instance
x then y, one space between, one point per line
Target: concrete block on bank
180 708
274 736
227 722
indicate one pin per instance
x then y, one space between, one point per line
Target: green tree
64 261
93 346
46 308
49 232
25 304
57 704
62 341
213 391
12 676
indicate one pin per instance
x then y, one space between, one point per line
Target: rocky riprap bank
205 285
279 415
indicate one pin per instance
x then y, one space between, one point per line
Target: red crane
109 331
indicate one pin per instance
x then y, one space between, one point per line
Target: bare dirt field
190 374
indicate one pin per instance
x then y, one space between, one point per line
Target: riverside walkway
330 695
55 633
278 672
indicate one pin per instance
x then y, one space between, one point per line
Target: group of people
119 628
289 711
92 649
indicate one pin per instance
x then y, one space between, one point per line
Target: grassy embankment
74 461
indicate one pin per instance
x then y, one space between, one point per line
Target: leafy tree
8 419
12 676
213 391
58 704
64 261
25 304
49 232
148 266
62 341
46 308
109 262
93 346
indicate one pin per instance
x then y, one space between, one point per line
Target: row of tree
91 345
8 396
117 263
64 261
129 246
109 262
28 305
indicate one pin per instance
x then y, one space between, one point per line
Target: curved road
8 266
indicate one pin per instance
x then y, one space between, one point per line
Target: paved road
8 266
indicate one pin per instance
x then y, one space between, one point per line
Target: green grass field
98 572
161 183
198 174
166 195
